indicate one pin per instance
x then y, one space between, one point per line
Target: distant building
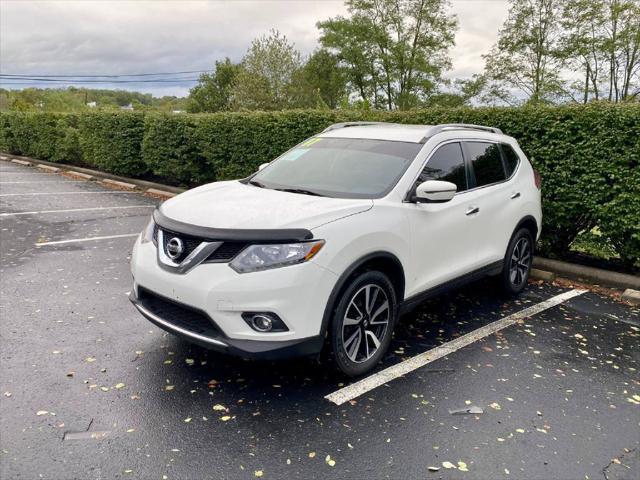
92 104
177 111
127 107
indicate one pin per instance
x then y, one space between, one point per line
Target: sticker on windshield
294 154
308 143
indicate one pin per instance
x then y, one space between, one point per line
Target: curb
590 274
152 188
542 275
631 296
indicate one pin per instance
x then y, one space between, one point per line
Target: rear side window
511 158
447 164
486 162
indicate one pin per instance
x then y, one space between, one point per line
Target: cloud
123 37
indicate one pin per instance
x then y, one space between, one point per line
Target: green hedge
588 155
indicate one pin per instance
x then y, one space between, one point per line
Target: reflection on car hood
234 204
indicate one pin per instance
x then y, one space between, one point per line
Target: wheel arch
382 261
530 223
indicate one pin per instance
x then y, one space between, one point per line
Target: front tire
363 323
517 262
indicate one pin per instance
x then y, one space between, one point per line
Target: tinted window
486 162
340 167
510 157
446 163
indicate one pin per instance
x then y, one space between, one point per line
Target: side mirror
435 191
263 165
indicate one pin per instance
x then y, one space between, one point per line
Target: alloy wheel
520 261
365 323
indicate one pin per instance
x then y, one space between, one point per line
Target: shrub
587 154
170 150
112 142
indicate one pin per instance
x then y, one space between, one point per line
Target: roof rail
458 126
337 126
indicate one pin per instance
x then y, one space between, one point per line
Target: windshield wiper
255 183
300 190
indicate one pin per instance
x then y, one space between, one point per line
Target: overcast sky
124 37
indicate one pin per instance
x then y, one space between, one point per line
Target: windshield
339 167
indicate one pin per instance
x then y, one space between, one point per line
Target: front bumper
253 349
216 293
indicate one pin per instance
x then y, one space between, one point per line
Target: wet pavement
91 390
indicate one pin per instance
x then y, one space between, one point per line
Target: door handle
472 210
515 195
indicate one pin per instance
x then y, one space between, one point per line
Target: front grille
190 243
178 314
224 253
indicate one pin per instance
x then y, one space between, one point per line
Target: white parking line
55 193
26 172
388 374
88 239
12 214
35 181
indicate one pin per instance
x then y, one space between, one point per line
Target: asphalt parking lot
89 389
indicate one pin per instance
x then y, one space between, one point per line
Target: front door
443 235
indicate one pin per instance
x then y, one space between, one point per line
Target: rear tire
363 322
517 262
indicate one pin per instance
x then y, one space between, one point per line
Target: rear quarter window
511 158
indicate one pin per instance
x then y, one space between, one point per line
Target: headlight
263 257
147 234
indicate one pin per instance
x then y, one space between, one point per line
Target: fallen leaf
462 467
312 454
119 386
258 473
433 469
41 412
226 418
187 420
189 361
448 465
219 408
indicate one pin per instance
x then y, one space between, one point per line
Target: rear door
496 199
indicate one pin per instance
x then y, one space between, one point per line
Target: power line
22 75
28 81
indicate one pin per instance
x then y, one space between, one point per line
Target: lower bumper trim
252 349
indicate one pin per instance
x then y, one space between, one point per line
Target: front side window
447 164
486 162
339 167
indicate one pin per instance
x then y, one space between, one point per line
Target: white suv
328 244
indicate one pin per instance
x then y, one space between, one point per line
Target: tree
581 42
322 81
213 91
525 63
394 51
622 46
602 38
266 79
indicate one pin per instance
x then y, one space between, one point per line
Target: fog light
262 323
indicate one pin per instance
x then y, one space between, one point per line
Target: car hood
232 204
